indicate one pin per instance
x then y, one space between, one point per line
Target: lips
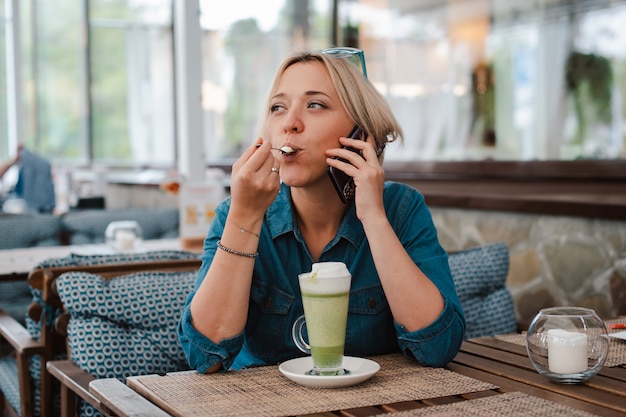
288 150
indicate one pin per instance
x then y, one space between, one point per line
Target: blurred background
92 83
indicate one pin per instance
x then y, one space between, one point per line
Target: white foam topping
317 281
329 269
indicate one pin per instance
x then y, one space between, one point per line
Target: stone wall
554 260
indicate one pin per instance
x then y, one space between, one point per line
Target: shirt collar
280 219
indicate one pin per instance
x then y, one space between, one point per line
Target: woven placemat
512 404
617 347
265 391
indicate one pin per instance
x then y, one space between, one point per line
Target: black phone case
344 184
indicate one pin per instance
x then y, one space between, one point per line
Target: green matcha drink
326 316
325 294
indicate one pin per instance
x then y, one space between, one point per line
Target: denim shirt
275 301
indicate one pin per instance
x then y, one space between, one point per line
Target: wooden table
17 263
491 360
507 365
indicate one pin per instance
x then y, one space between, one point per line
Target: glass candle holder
567 344
124 235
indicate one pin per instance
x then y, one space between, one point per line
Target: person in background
34 186
284 214
7 165
4 168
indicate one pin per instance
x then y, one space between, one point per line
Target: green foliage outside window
589 79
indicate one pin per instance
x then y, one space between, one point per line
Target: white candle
124 240
567 351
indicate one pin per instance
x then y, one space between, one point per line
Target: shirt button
267 303
372 303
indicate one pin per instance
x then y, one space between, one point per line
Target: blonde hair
361 100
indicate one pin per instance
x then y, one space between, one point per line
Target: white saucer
618 335
360 370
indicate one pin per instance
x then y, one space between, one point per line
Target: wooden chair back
54 320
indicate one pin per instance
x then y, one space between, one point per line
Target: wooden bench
74 380
20 344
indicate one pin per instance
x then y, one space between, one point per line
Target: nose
292 122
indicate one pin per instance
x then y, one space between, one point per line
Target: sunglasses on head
354 55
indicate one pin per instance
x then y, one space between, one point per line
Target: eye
276 107
317 105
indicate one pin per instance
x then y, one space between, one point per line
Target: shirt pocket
370 329
368 300
267 336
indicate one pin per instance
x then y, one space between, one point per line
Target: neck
318 218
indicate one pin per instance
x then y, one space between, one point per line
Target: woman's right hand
254 185
222 303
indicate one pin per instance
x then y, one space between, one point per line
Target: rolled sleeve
438 343
201 352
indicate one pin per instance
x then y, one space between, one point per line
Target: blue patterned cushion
119 258
34 327
127 325
480 278
15 298
9 383
91 260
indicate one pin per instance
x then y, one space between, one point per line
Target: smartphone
344 184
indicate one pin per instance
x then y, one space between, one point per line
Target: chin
293 180
293 176
289 182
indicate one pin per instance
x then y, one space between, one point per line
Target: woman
284 214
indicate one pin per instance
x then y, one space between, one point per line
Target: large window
469 79
505 79
131 82
103 95
241 49
55 72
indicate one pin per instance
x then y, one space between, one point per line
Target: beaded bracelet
236 252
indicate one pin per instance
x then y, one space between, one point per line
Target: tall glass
325 301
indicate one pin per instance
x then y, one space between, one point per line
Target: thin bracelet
242 230
236 252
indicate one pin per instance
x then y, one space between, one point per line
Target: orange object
617 326
171 187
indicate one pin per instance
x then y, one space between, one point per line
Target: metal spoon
284 150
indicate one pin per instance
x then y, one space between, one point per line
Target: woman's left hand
368 174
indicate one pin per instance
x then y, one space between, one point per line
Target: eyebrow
306 93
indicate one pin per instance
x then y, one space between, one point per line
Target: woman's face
306 115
